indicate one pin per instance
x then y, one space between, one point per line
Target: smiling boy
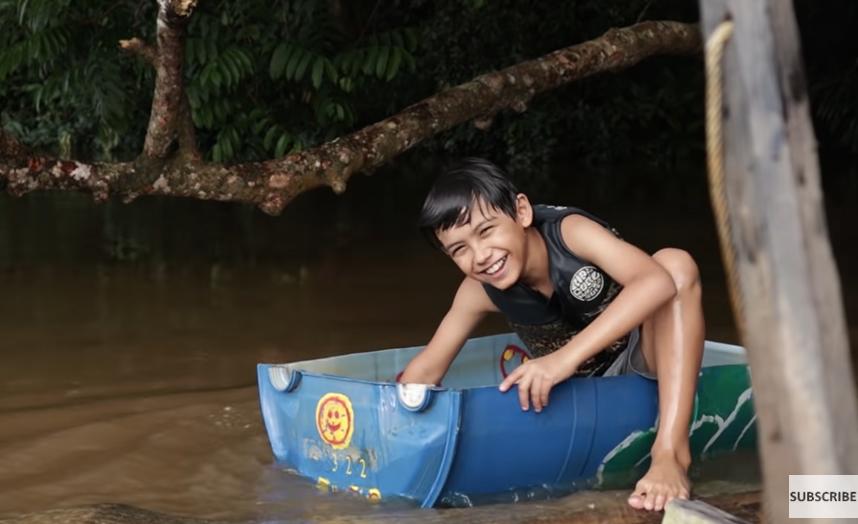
585 302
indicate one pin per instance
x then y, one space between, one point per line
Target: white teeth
495 267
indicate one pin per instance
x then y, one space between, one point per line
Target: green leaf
318 69
39 93
279 60
204 78
332 71
245 59
393 66
233 69
346 84
226 148
293 63
282 145
302 67
226 73
272 133
369 61
261 124
381 65
35 47
215 77
218 110
22 10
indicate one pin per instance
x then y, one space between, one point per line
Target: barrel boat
346 424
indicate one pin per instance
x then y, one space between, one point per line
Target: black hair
455 192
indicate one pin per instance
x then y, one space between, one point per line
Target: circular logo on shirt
586 283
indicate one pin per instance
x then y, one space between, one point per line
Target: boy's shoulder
544 213
551 213
571 231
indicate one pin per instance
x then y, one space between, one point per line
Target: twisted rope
715 163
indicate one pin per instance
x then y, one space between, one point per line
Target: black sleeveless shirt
581 292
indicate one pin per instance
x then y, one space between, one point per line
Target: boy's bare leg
672 343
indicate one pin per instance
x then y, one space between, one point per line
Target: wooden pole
790 290
796 337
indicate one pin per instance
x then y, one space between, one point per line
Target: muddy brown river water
129 337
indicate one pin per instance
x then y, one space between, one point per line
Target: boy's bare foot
666 479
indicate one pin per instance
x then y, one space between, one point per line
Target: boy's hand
536 377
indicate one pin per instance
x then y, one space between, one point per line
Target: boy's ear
523 210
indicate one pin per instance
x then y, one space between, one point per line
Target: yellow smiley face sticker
335 420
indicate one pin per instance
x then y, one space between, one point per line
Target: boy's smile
496 267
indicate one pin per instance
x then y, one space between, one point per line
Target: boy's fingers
544 391
524 393
510 379
535 388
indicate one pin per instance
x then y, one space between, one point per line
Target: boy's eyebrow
481 224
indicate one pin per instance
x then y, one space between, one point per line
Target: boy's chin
502 285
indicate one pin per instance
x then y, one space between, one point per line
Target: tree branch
169 88
274 183
139 47
185 131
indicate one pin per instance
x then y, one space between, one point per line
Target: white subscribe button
823 496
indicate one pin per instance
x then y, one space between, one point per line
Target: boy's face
491 247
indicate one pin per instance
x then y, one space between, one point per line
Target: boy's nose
482 255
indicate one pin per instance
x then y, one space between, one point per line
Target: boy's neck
535 273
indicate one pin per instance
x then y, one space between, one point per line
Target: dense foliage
64 84
267 78
263 79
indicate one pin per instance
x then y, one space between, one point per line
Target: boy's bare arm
646 284
469 307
